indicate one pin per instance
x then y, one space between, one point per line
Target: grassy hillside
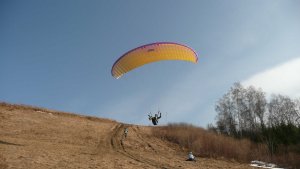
209 144
32 137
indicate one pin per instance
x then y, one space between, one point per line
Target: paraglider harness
155 118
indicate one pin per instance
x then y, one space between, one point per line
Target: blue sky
58 54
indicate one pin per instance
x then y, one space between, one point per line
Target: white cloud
283 79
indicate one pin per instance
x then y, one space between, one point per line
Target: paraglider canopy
149 53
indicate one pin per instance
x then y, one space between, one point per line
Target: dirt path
117 142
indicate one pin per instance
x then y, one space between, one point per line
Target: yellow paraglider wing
152 53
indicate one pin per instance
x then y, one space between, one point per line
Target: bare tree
297 118
225 118
241 110
282 109
237 93
257 103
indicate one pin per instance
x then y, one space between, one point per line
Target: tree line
245 112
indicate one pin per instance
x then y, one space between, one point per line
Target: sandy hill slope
39 138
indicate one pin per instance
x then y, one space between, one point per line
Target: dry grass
207 144
24 125
11 107
204 143
31 137
3 164
287 159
